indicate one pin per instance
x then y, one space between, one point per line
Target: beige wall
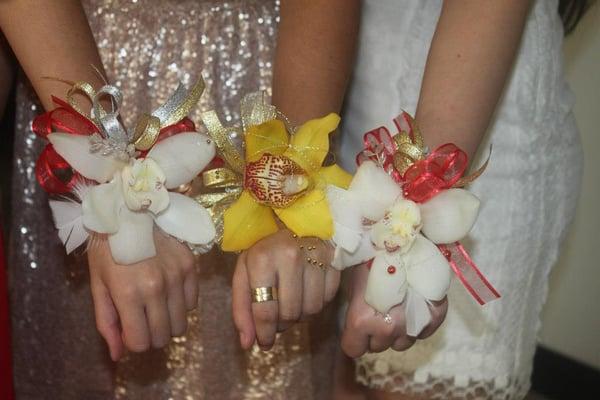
571 318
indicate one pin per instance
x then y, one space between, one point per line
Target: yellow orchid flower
284 176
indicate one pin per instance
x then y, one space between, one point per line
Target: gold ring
262 294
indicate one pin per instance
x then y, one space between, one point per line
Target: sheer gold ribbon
222 186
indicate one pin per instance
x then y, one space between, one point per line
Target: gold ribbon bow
223 185
410 148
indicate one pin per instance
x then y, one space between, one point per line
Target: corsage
405 212
272 176
108 180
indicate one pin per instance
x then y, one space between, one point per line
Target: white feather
68 220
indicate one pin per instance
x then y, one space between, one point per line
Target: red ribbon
468 273
53 172
380 148
439 171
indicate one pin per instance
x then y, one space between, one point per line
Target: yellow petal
245 223
311 143
333 175
308 216
270 137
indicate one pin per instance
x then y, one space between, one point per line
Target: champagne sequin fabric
147 47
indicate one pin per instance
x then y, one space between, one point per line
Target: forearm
314 57
51 39
471 56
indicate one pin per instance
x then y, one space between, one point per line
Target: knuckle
257 259
188 263
154 286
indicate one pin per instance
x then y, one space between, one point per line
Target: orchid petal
187 220
75 149
270 137
101 206
334 175
428 271
134 241
386 287
364 252
183 156
310 144
449 216
308 216
347 222
417 313
245 222
376 190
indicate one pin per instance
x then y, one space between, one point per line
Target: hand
144 304
303 288
364 331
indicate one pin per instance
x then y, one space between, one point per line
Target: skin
471 56
137 306
309 82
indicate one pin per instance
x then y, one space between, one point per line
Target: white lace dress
528 195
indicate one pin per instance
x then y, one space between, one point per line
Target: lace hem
377 374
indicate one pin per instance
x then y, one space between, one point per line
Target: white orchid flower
132 197
372 220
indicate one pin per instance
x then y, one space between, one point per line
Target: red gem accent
447 254
391 270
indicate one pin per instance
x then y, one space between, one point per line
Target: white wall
571 317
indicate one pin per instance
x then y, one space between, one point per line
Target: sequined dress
528 194
147 47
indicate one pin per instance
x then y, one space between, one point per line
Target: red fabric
6 384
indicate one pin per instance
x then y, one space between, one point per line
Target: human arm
313 62
470 58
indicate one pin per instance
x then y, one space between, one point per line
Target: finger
314 290
403 342
438 315
266 313
191 289
384 331
135 332
355 341
332 283
242 304
290 291
176 302
107 320
159 323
